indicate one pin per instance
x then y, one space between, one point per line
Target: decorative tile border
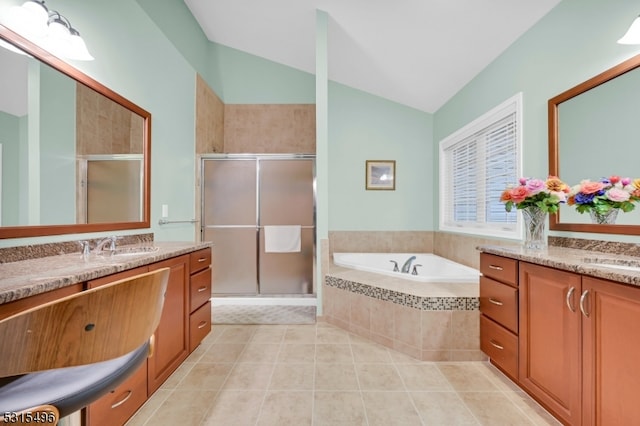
416 302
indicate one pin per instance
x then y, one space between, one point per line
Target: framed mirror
594 132
75 154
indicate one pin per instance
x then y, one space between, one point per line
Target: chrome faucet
110 241
407 265
395 266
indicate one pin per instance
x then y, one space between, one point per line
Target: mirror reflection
594 132
71 154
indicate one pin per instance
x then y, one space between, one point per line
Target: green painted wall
365 127
572 43
10 140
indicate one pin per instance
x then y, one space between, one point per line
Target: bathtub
433 268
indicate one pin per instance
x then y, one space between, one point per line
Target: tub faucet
109 241
407 265
395 266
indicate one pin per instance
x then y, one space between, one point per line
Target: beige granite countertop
586 262
29 277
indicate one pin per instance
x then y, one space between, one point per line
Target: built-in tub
429 267
433 316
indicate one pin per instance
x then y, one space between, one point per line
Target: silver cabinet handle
582 300
496 345
495 302
497 268
202 324
201 289
123 400
201 259
570 299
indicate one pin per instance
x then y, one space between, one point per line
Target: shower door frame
258 226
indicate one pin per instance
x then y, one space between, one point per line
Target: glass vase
535 220
607 218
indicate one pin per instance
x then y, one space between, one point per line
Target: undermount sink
618 266
133 251
626 265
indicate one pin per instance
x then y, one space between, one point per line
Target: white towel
282 239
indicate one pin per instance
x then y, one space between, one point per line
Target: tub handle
395 266
415 270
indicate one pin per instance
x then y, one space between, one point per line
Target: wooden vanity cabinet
172 335
200 295
550 339
610 348
499 312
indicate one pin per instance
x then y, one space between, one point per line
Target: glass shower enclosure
259 212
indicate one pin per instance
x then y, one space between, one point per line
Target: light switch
165 210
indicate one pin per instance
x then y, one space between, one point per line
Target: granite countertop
30 277
586 262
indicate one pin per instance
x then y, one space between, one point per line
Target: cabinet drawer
198 260
199 325
499 302
500 345
200 289
499 268
116 407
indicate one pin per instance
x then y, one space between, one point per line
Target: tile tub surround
584 262
427 321
34 276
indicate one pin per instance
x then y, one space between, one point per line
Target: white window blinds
476 165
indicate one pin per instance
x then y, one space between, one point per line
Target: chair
61 356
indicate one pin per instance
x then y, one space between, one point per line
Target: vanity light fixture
632 36
48 29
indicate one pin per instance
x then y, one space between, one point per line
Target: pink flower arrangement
609 193
544 194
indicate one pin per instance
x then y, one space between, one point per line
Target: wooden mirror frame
554 160
63 67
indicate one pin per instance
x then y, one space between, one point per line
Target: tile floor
322 375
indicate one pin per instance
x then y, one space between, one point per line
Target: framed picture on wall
381 174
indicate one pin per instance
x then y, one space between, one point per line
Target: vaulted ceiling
415 52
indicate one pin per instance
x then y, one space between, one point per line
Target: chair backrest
91 326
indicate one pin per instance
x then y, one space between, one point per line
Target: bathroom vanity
562 323
185 321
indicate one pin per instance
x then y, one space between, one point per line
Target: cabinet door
550 361
611 348
172 336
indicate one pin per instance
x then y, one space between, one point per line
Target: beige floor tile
177 376
423 377
249 376
467 377
538 415
442 408
287 376
300 334
390 408
338 408
378 377
223 352
297 352
205 376
332 335
370 352
286 409
236 334
146 411
336 377
235 408
183 407
269 335
333 353
260 352
494 409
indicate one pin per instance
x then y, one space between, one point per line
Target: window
476 164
